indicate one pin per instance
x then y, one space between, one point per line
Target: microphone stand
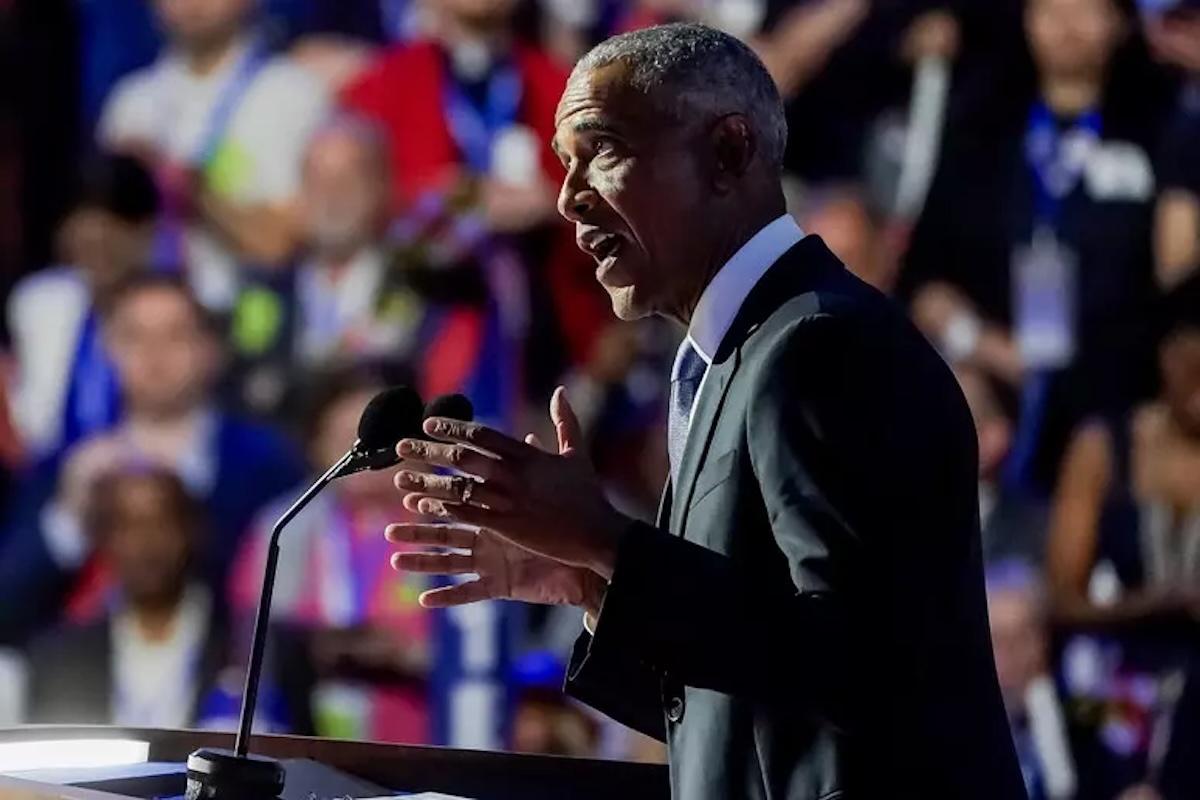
262 617
220 774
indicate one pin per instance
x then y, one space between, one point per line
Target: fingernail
405 479
389 532
407 447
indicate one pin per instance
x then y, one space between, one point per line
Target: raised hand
504 571
549 503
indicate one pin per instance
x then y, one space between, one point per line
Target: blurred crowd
228 223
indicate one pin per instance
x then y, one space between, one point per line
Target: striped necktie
685 385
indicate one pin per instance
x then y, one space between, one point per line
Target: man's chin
626 305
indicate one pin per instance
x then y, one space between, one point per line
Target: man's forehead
602 97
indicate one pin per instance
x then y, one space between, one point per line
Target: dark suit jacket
71 678
808 618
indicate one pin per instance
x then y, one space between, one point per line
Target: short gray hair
687 68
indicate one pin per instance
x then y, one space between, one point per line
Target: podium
111 763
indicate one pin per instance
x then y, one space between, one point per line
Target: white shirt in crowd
260 158
155 682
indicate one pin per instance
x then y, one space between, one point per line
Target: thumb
566 424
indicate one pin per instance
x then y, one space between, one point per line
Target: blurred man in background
166 357
470 127
223 124
344 299
65 388
1020 640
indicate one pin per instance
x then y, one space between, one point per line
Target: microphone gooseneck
391 415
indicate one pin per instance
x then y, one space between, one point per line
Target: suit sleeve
709 622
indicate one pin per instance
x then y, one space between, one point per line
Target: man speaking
807 619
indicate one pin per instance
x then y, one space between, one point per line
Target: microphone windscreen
392 415
450 406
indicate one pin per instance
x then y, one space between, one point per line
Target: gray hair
690 68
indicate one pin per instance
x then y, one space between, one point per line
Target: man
476 104
65 390
224 124
342 301
807 619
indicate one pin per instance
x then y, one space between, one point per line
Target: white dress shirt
725 295
727 291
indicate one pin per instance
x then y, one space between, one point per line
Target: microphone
451 406
392 415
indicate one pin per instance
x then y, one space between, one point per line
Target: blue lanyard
227 103
1055 167
93 398
474 129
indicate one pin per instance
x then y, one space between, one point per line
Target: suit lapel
808 264
704 420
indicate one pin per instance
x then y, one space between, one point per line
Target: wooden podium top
404 768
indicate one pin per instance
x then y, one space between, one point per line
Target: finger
457 457
462 594
533 441
434 563
566 424
452 511
431 535
477 435
452 488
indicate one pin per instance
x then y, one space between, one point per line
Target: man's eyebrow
585 125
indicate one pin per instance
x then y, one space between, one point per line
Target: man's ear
733 147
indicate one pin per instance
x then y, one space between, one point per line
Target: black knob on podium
223 775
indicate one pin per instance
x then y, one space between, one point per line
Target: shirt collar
729 288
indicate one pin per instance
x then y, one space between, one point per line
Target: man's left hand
551 504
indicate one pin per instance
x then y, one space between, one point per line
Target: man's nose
575 201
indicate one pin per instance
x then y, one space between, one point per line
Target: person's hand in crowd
806 37
1141 791
515 208
1175 39
938 307
934 34
86 464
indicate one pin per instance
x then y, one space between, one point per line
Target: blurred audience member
166 357
1179 778
1051 296
154 659
369 636
1020 642
1173 28
224 124
471 128
1013 524
65 389
547 722
1124 556
344 300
